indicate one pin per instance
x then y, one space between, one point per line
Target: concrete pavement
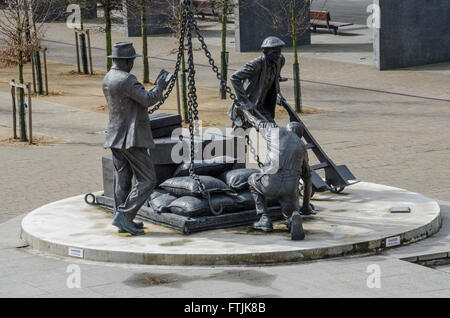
26 273
395 141
387 127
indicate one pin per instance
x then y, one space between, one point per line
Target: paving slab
334 277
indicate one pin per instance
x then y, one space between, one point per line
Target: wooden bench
321 19
204 8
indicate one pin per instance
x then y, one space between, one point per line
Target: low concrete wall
412 32
253 25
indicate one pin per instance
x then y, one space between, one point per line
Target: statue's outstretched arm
261 125
139 94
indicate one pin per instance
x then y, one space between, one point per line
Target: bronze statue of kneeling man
286 163
129 136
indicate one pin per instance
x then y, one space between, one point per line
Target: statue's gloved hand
163 79
280 99
248 105
240 110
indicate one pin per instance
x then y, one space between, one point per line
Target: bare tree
292 19
224 8
108 7
140 9
21 32
174 22
143 6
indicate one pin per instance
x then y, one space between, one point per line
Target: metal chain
253 151
219 76
177 65
211 61
192 97
188 23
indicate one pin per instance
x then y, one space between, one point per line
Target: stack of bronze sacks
224 176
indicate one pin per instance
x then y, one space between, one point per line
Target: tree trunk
22 122
107 15
37 65
81 14
297 87
296 66
144 40
84 57
82 38
224 64
27 25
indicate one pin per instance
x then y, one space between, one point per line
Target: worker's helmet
271 42
123 50
296 128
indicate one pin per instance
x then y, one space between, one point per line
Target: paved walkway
29 274
387 127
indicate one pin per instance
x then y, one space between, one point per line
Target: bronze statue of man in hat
257 84
129 136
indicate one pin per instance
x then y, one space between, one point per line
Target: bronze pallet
189 225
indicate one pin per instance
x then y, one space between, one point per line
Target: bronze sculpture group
257 89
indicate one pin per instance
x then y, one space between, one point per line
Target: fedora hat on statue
124 50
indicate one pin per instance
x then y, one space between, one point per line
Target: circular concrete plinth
356 221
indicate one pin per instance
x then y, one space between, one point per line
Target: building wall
411 33
253 25
158 15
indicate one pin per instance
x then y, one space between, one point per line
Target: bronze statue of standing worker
257 84
129 136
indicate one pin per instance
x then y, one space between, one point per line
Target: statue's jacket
129 124
285 150
248 83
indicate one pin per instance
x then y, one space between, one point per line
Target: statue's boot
138 225
296 227
125 225
310 212
264 224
